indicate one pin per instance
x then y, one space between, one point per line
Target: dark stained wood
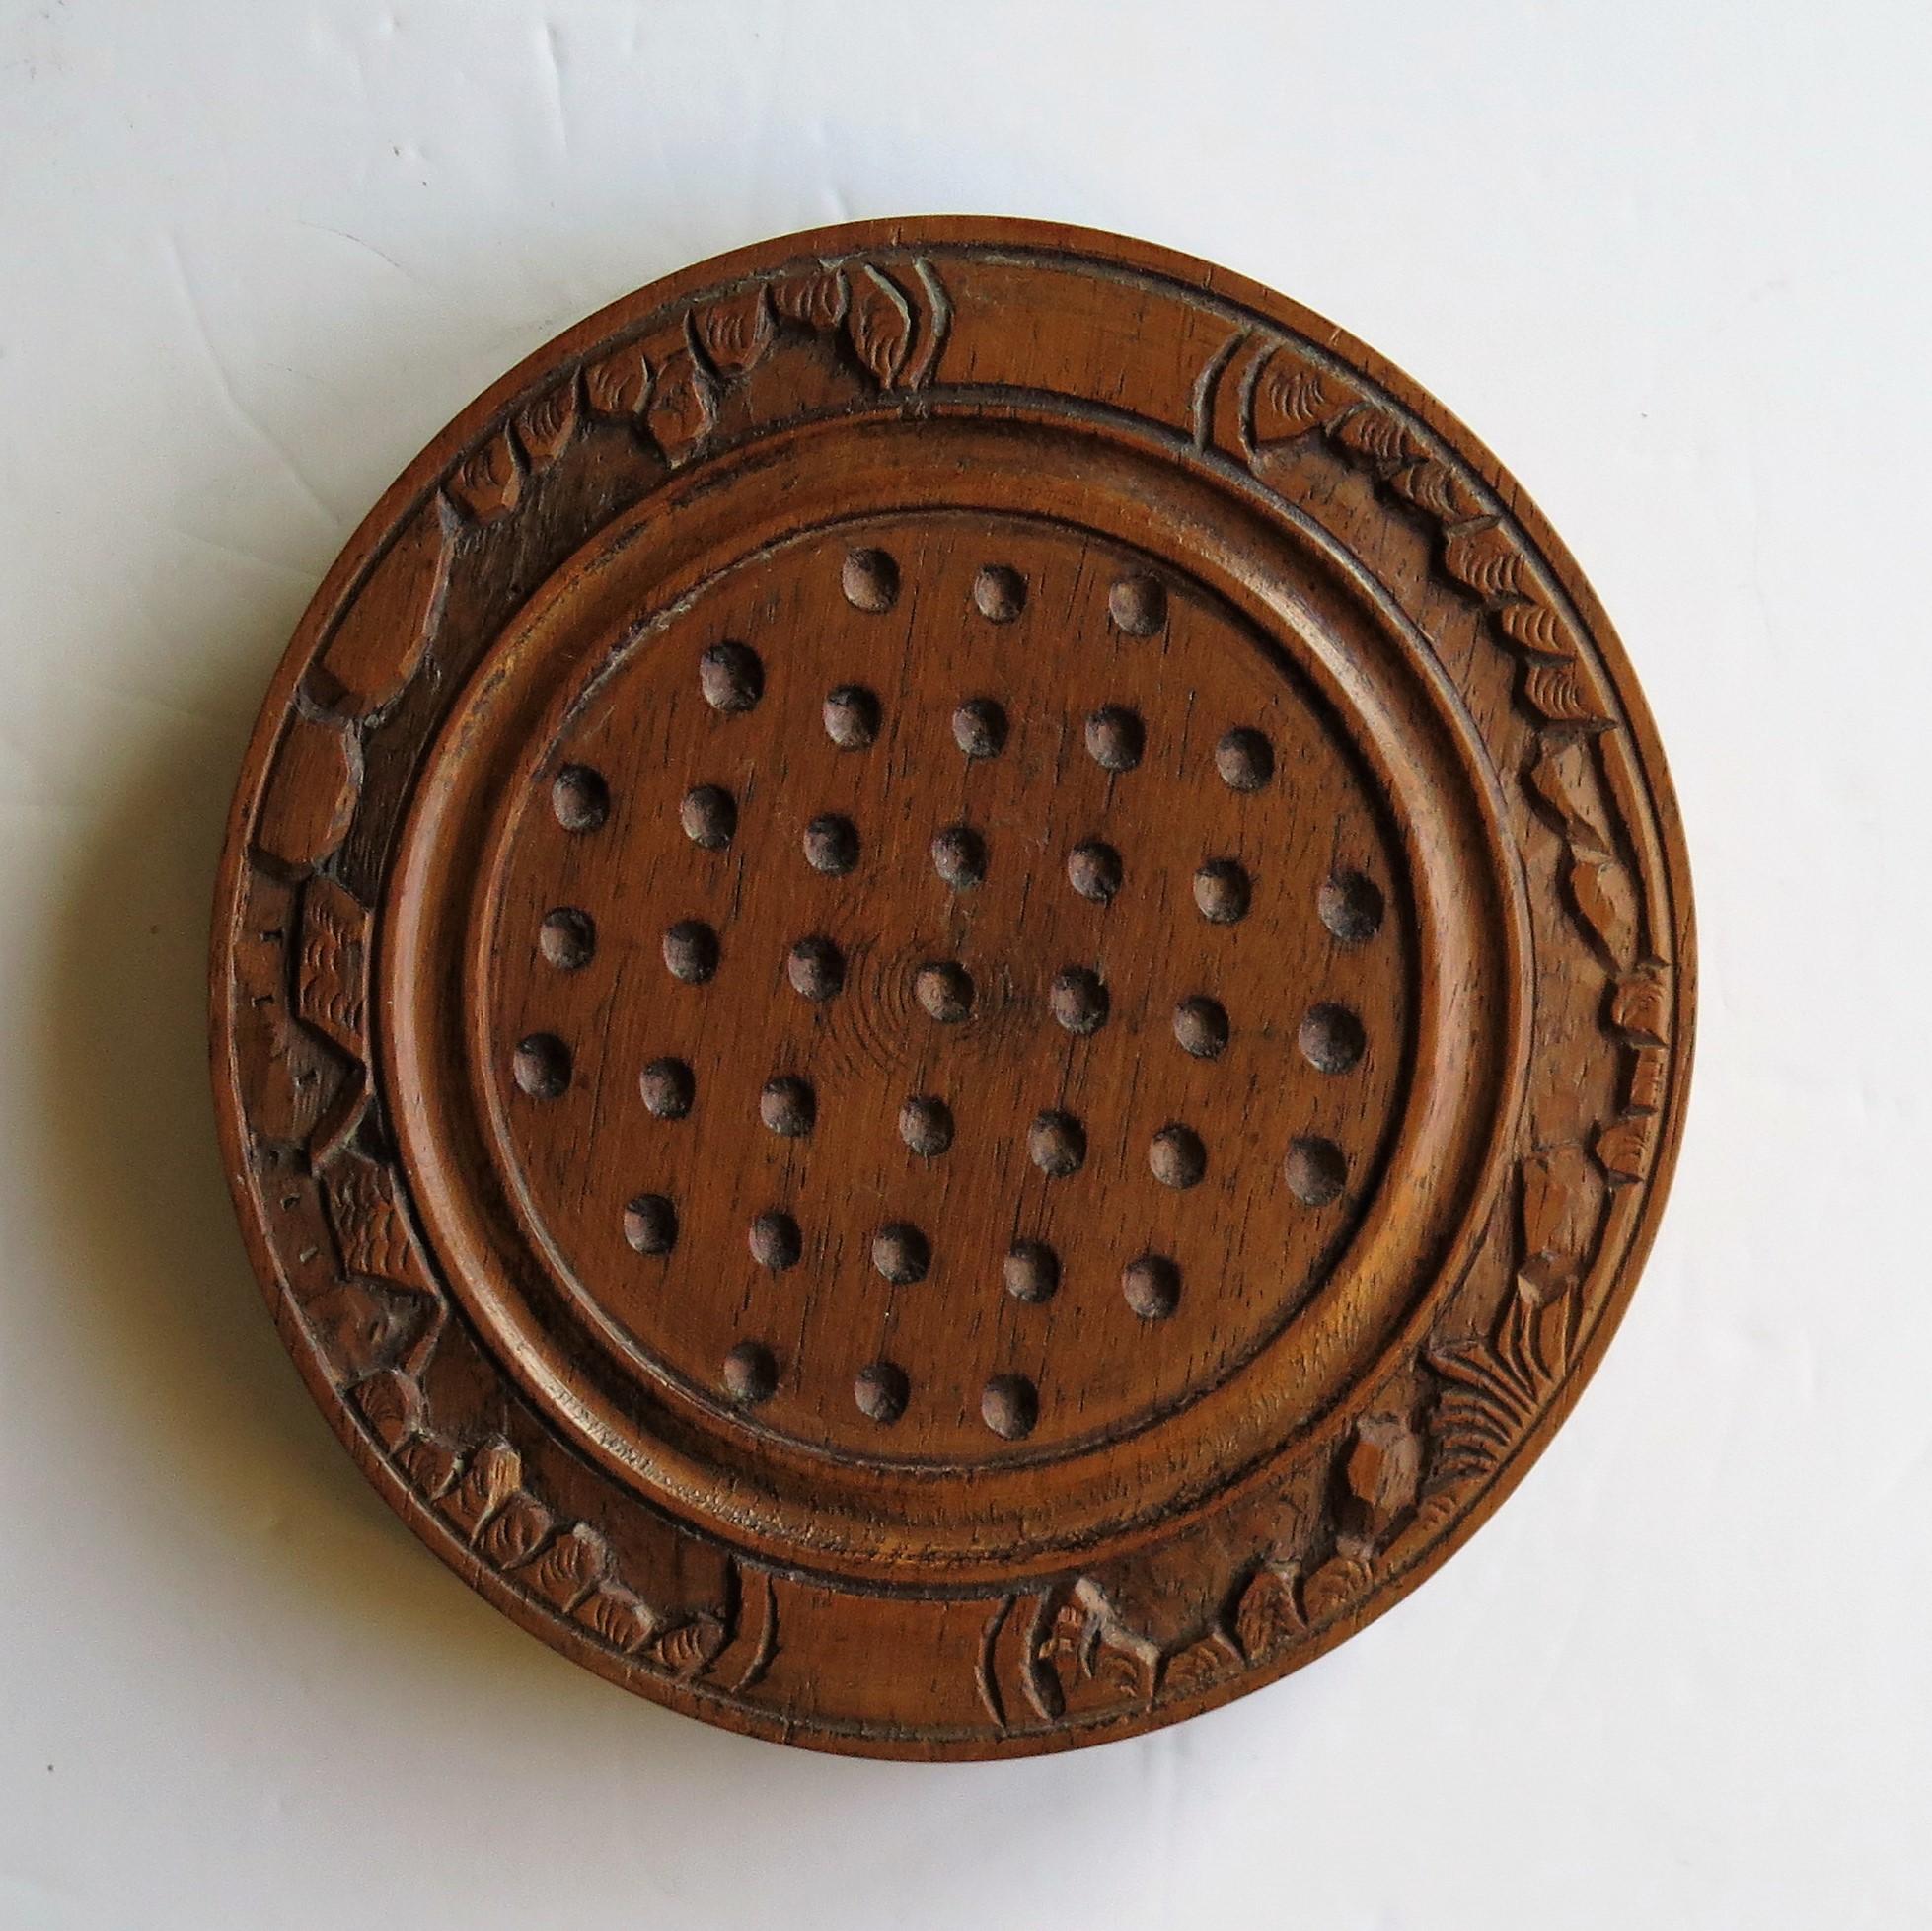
952 989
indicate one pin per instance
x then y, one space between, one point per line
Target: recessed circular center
992 991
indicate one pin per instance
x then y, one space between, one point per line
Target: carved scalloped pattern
481 1494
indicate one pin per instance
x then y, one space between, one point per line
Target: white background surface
1670 260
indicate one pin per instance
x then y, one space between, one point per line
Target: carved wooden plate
952 989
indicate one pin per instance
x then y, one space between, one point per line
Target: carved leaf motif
1043 1690
1487 560
1038 1678
1649 1073
284 1068
1268 1615
1223 403
494 1472
332 976
1599 889
736 332
1201 1666
379 641
1535 628
1561 1201
879 325
623 1620
353 1328
618 384
1552 788
1547 1179
1607 907
1480 1414
1640 1008
489 484
544 427
934 324
816 297
1334 1587
683 407
516 1532
1561 695
1543 1338
371 1228
1624 1148
688 1649
336 1125
1377 434
1496 1386
1381 1470
310 794
1436 489
1089 1656
1071 1633
1293 397
431 1463
752 1638
573 1564
391 1405
1124 1666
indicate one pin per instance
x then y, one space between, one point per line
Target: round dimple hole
789 1106
1176 1156
979 727
542 1066
881 1392
832 845
999 593
1031 1271
650 1224
1079 1000
869 579
1138 604
710 817
1317 1170
1351 906
667 1087
1223 891
944 991
776 1241
1246 760
1056 1143
1331 1037
959 857
1201 1026
1094 871
580 799
816 968
731 677
1153 1287
691 951
926 1126
851 717
751 1374
900 1253
1115 738
1010 1405
567 938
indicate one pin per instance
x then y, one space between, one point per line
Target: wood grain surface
952 989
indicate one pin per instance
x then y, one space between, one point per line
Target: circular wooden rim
1383 397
